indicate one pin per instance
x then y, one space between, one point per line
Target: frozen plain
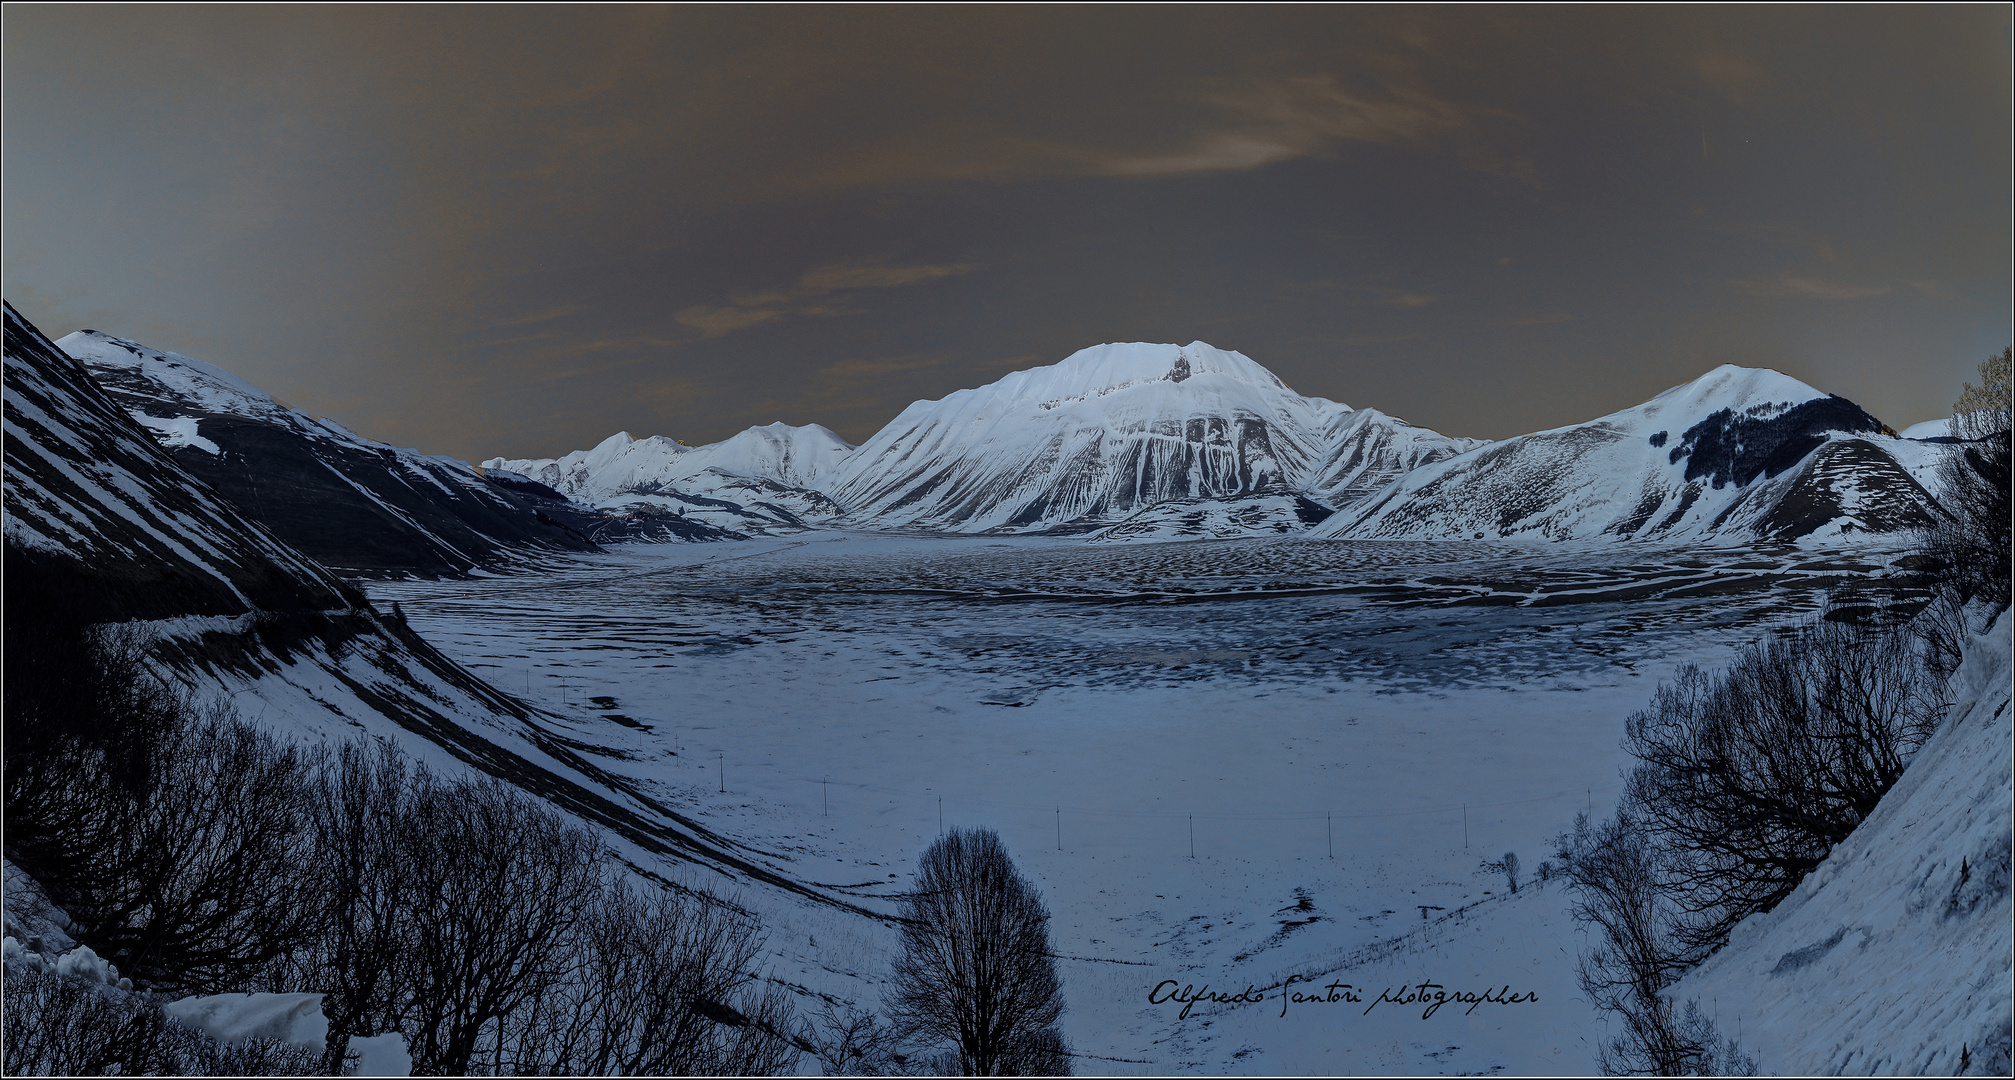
1346 729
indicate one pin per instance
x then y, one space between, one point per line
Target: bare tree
1970 546
976 971
1614 875
1749 778
663 983
498 885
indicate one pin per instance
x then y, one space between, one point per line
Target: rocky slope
355 504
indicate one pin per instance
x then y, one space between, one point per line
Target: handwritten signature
1430 995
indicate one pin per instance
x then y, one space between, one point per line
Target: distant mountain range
1121 442
1158 442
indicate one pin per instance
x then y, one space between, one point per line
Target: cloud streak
821 292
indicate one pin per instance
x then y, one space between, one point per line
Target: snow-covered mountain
94 506
1364 450
103 523
1109 431
1739 452
755 481
350 502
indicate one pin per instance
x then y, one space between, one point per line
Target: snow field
839 688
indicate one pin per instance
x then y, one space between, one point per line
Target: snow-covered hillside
87 489
103 520
1364 450
348 501
1739 452
751 482
1111 430
1893 957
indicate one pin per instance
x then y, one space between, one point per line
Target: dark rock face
1851 480
98 511
362 507
1728 448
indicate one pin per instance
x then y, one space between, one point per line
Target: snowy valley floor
1344 731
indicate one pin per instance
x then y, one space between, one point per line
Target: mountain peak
178 379
1102 369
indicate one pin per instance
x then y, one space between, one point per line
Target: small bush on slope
1749 777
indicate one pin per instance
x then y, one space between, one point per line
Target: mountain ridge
1745 452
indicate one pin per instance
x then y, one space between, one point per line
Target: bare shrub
84 721
207 894
1970 546
849 1041
976 971
1748 778
57 1026
185 876
662 984
497 885
365 934
1614 874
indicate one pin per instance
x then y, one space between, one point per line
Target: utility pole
825 802
1192 836
1059 828
1465 826
722 758
1330 831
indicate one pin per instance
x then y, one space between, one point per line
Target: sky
489 231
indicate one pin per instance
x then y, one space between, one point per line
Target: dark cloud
491 230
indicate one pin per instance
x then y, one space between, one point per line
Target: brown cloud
754 309
715 321
1272 119
557 311
876 276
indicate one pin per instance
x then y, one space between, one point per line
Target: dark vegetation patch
1729 447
